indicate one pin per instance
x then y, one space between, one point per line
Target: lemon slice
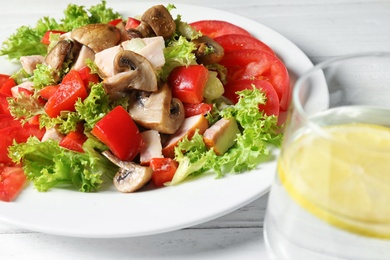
342 175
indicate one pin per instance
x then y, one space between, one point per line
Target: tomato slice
163 170
256 64
233 42
12 180
4 105
188 83
215 28
70 89
271 107
119 132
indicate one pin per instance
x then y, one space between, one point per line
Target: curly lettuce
49 165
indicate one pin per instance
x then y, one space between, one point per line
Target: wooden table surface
320 28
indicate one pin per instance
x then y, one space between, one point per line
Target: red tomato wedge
271 107
215 28
233 42
12 180
163 170
119 132
254 65
70 89
188 83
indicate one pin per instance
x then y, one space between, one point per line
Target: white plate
111 214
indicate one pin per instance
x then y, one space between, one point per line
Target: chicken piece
105 60
221 135
188 128
52 134
152 147
85 53
29 63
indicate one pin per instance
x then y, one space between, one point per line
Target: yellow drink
333 190
332 177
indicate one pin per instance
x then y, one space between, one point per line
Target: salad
135 100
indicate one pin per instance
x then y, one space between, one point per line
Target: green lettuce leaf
178 53
48 165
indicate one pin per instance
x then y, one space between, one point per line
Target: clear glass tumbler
331 195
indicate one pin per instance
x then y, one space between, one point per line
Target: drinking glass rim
297 86
298 105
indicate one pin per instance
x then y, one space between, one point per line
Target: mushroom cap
160 20
97 36
131 71
158 110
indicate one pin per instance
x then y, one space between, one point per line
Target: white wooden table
322 29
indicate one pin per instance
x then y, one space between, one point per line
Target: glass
331 195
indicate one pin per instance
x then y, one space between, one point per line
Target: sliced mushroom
131 176
98 36
131 71
158 110
208 51
160 20
61 53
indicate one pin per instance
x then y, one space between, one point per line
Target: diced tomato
48 91
163 170
12 180
215 28
271 107
255 64
7 86
132 23
188 83
87 76
115 22
46 37
233 42
196 109
74 141
119 132
70 89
